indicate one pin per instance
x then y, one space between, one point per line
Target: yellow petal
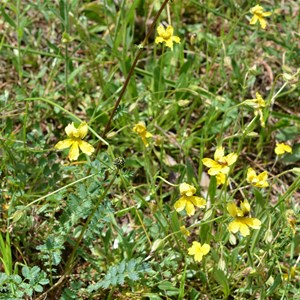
205 249
176 39
245 207
70 130
256 9
180 204
252 222
194 249
159 40
231 158
267 14
86 147
186 189
148 134
251 175
244 229
253 20
221 178
282 148
234 226
63 144
210 163
262 22
198 201
140 128
224 170
219 153
263 176
198 256
74 151
169 43
184 230
160 30
232 209
170 30
82 130
190 208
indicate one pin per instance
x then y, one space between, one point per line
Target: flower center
222 162
166 35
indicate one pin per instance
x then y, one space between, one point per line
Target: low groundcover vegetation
149 149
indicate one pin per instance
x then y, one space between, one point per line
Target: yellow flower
258 103
166 36
75 141
259 180
198 251
282 148
258 15
241 221
184 230
188 201
141 130
221 163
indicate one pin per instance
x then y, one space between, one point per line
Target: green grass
92 229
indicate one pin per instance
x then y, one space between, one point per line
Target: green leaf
7 18
168 288
221 278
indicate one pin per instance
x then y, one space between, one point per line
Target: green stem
140 51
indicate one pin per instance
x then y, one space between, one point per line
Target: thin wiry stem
140 51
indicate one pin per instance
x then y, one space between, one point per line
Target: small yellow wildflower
141 130
198 251
166 36
75 141
282 148
259 180
188 201
184 231
221 163
259 15
241 221
258 103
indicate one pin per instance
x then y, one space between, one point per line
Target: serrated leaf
121 279
133 276
121 268
131 265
